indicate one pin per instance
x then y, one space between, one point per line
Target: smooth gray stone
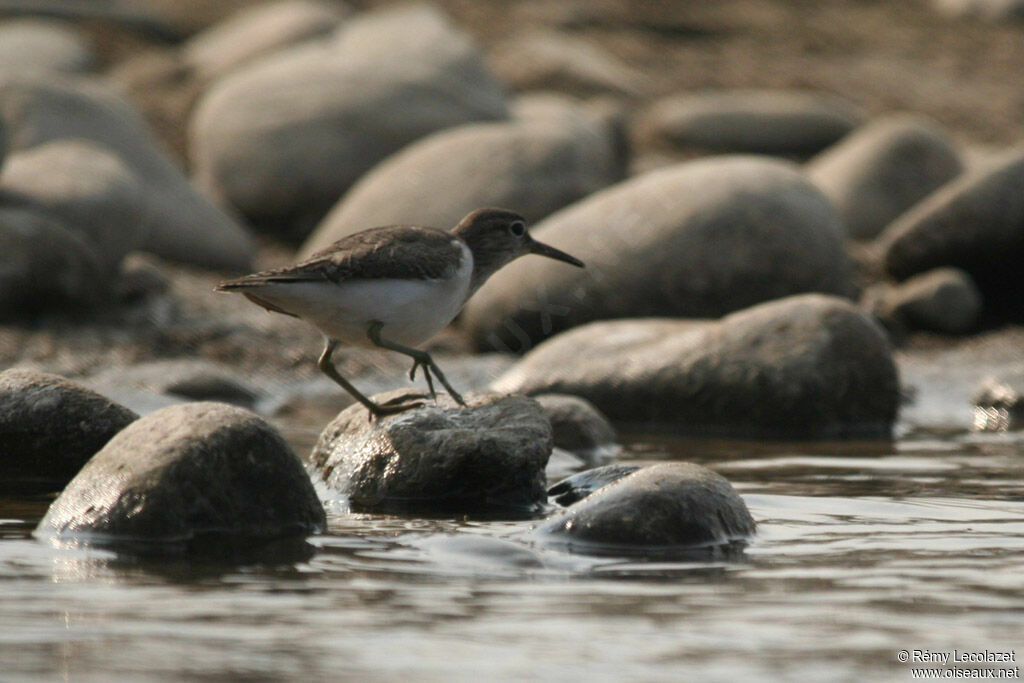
44 265
283 138
444 458
534 167
758 121
882 169
578 426
972 223
941 300
672 506
551 60
999 403
698 239
43 45
189 478
808 366
89 189
253 32
184 226
50 427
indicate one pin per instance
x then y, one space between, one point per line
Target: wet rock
487 457
999 403
989 10
582 484
579 427
973 223
183 227
549 60
806 366
50 427
255 31
882 169
536 167
283 138
941 300
760 121
698 239
43 45
90 190
187 477
673 506
43 265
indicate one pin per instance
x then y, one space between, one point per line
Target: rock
196 380
50 427
44 265
882 169
189 477
579 427
989 10
973 223
487 457
808 366
183 227
89 189
43 45
534 167
759 121
283 138
698 239
550 60
999 403
941 300
582 484
660 509
259 30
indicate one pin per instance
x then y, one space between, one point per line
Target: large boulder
882 169
45 265
50 427
259 30
759 121
189 477
283 138
183 226
534 167
808 366
90 190
975 223
661 509
699 239
486 457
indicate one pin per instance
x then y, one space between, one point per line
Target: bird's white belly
411 311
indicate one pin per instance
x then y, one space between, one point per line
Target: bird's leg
376 410
420 359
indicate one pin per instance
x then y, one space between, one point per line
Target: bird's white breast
411 311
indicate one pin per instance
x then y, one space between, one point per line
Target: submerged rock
805 366
699 239
189 477
882 169
657 509
282 138
486 457
973 223
50 427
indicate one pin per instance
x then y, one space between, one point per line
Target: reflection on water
863 549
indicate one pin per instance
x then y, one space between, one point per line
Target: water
864 549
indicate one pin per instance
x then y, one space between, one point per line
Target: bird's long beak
542 249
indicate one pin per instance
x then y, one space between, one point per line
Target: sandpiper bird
393 288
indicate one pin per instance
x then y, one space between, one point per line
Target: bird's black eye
517 228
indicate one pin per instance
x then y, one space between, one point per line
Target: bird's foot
398 404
